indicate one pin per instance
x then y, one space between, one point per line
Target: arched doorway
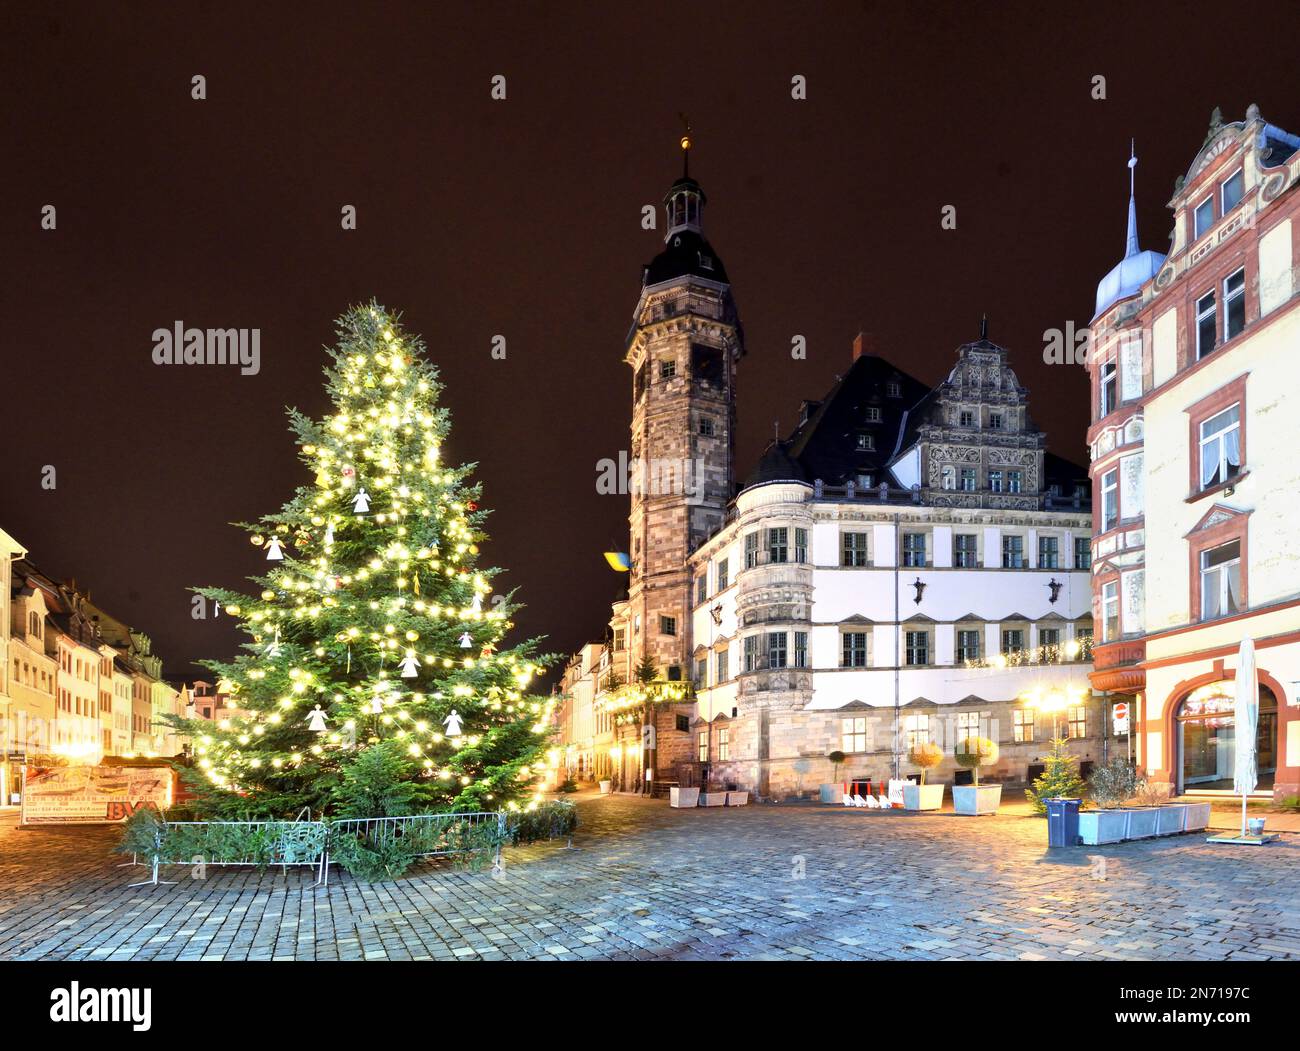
1207 738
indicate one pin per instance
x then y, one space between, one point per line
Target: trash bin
1063 822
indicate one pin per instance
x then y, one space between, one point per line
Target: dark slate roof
686 252
825 445
776 465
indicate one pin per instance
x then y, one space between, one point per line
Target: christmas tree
1060 777
373 675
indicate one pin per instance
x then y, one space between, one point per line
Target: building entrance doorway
1207 739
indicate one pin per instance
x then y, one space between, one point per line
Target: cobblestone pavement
647 882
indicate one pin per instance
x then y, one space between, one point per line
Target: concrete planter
1102 826
713 799
922 797
976 799
684 797
1142 822
1198 817
605 786
737 799
831 793
1171 819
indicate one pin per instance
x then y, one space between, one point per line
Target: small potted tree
973 799
924 797
831 793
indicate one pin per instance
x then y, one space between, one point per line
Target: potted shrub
971 753
924 797
1109 786
831 793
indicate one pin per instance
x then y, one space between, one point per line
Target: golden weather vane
686 144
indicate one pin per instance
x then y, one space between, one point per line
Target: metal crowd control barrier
291 847
437 827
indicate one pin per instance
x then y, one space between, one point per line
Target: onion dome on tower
686 250
1136 268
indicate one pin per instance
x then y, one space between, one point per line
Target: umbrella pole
1243 813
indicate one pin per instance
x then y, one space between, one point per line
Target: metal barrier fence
308 843
434 835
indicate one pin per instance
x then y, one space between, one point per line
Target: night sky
522 218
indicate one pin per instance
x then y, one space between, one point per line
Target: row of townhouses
911 565
76 684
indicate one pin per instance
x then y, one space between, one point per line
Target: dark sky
522 218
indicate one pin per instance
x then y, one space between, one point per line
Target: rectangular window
1110 611
1022 725
778 545
968 479
667 625
917 650
1106 389
1013 552
722 574
1205 324
1082 552
917 728
1220 447
853 734
965 550
1232 190
701 588
706 426
865 441
801 649
1078 722
968 724
667 369
1049 637
1221 580
801 545
853 653
1015 481
853 549
776 652
1049 552
968 644
1013 640
751 550
966 418
1234 304
724 672
894 390
702 672
1202 218
995 481
752 659
1109 500
995 421
873 414
619 635
724 744
702 747
914 549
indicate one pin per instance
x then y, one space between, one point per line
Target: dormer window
1234 187
706 261
866 442
873 415
1203 218
894 389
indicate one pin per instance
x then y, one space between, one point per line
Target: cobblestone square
648 882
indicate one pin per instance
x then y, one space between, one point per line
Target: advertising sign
91 795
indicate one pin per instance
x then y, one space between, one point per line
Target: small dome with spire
686 249
1136 268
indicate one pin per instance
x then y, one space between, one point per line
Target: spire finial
686 145
1131 243
984 327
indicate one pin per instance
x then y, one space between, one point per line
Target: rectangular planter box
605 787
684 797
1198 817
832 793
713 799
1171 819
923 797
737 798
1142 822
973 800
1102 826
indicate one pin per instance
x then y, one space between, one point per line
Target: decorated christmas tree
374 675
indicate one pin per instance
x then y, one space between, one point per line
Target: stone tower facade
683 347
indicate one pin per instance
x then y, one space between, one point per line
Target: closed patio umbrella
1245 774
